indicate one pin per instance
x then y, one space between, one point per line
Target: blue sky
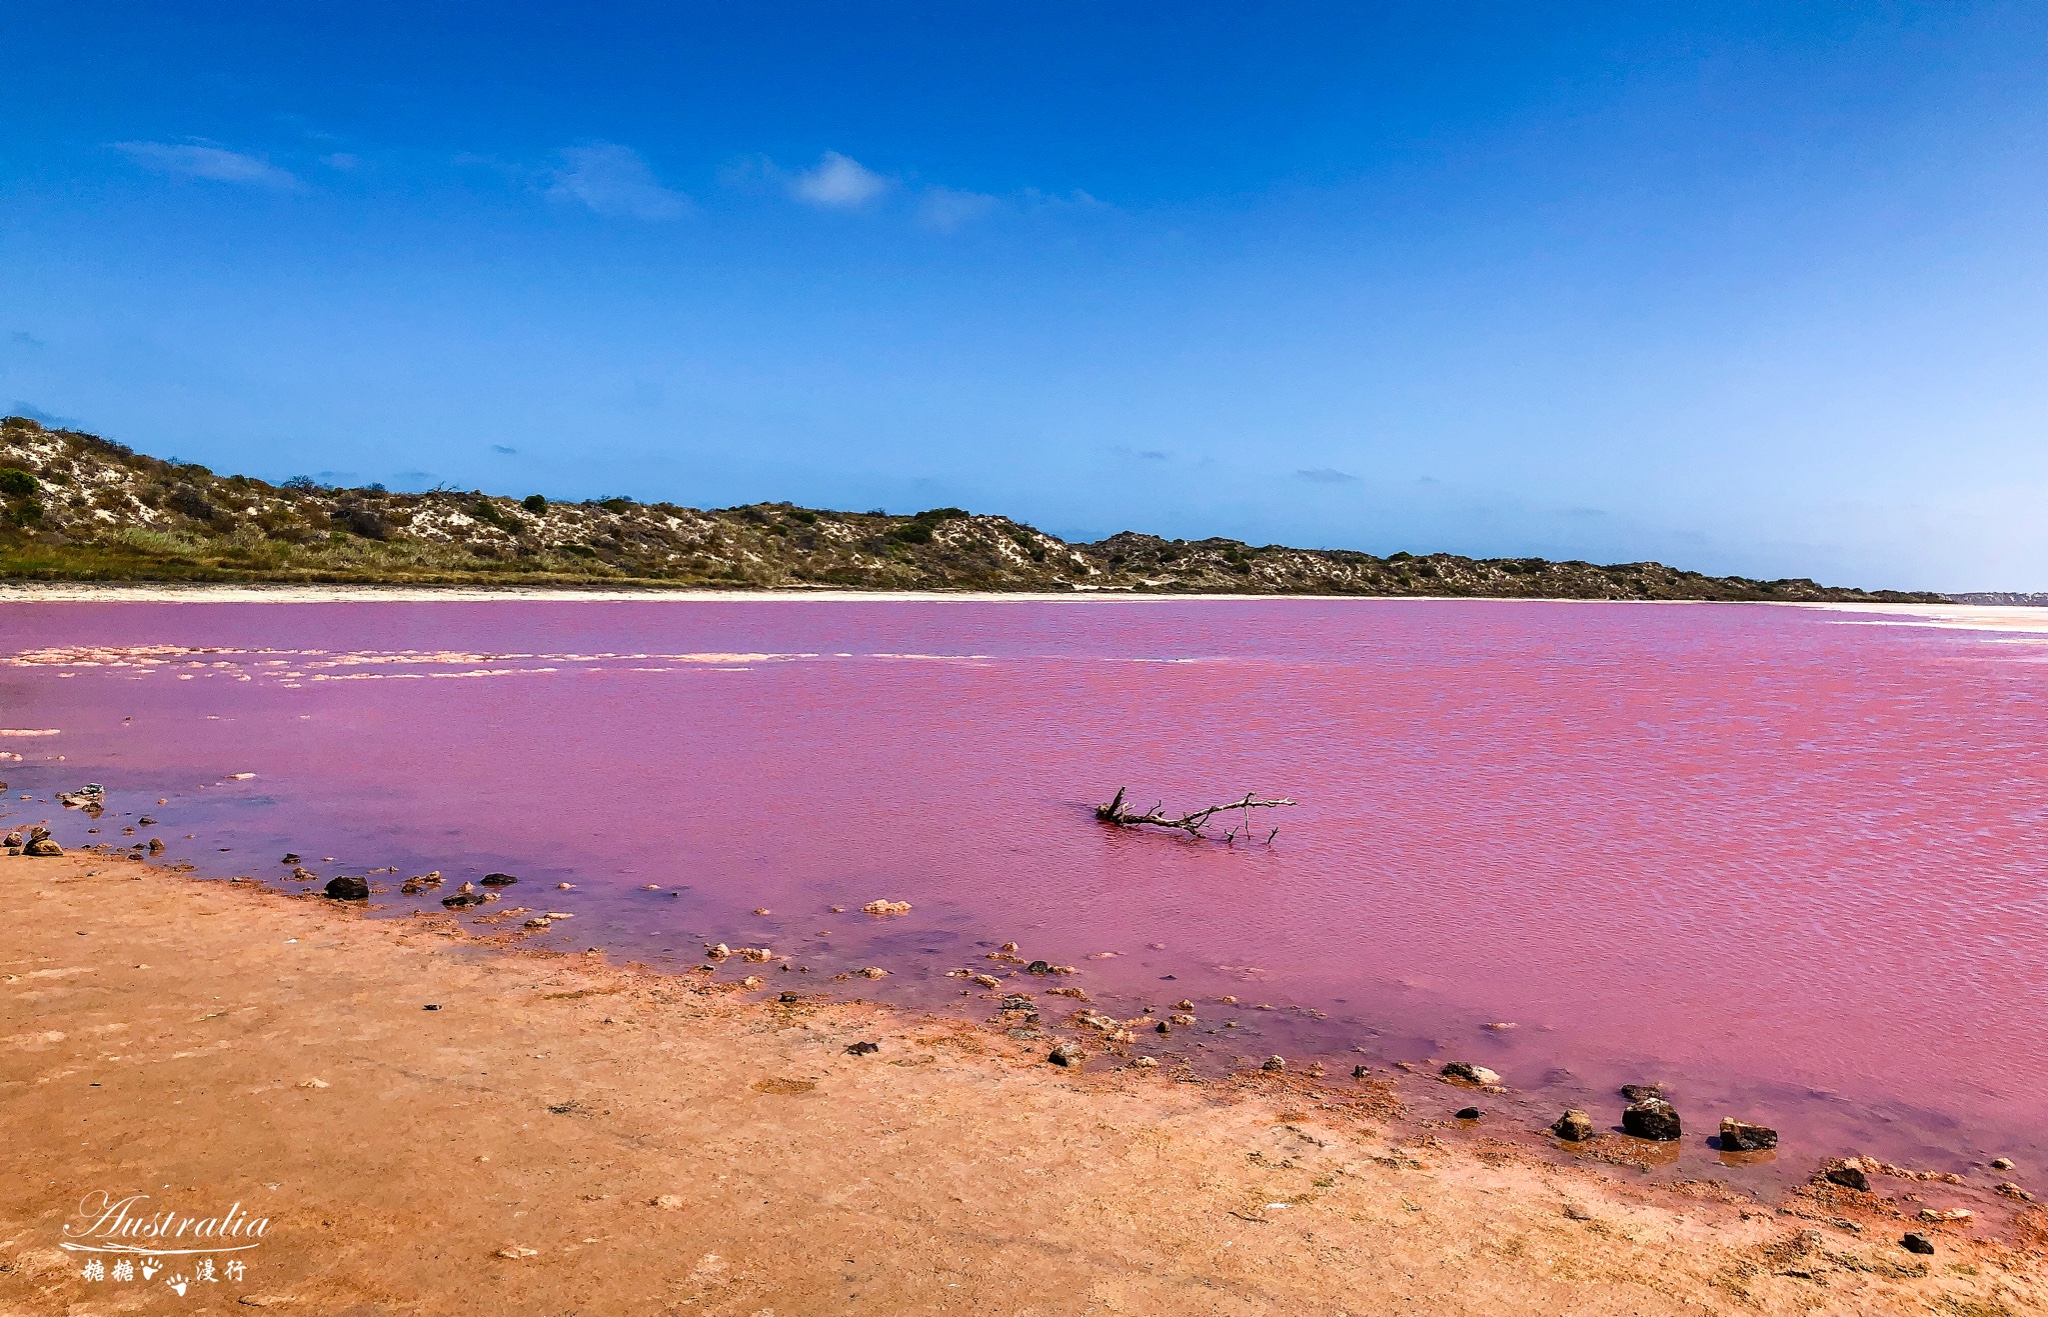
1749 288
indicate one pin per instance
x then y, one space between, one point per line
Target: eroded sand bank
566 1136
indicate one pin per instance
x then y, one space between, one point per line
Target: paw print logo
177 1283
151 1266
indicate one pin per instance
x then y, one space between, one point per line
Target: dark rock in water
144 822
461 900
1469 1113
1163 1027
1642 1092
1573 1126
1741 1136
289 858
1039 967
497 880
348 889
1915 1242
1065 1054
1849 1177
1652 1118
863 1049
789 997
1360 1071
1013 1002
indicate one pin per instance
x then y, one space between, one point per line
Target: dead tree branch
1120 814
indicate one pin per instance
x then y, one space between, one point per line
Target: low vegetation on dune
76 507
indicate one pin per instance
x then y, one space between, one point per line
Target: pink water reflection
1786 862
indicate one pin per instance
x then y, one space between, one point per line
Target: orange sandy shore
563 1136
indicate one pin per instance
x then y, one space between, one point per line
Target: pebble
668 1202
1183 1005
1469 1113
1915 1242
1946 1216
872 972
863 1049
2001 1163
1065 1054
539 922
499 880
1273 1063
886 908
1009 946
1360 1071
1642 1092
1145 1063
987 981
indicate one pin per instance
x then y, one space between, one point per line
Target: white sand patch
2012 619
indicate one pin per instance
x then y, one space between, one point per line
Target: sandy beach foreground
424 1123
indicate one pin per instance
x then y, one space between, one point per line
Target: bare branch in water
1120 814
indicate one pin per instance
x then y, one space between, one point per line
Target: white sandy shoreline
2009 618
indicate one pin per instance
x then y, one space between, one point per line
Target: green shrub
535 504
15 481
490 514
25 512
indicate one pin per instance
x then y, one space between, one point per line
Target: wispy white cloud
340 160
946 209
1326 475
201 160
839 182
613 180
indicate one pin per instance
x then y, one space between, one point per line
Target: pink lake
1786 861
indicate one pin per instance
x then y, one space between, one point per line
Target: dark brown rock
1653 1118
1573 1126
1642 1092
1473 1074
498 880
347 889
1469 1113
1849 1177
1915 1242
863 1049
462 900
1741 1136
1273 1063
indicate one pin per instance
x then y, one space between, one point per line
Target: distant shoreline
1986 616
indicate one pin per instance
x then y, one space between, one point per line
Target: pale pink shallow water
1785 861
